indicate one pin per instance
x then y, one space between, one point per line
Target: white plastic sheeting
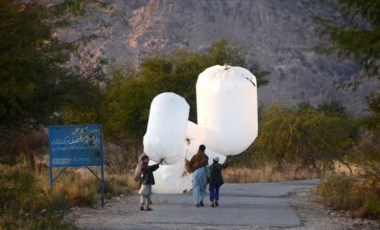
165 135
227 108
172 179
175 178
227 124
194 139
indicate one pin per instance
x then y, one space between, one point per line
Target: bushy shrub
24 205
336 191
360 198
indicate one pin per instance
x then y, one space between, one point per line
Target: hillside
277 35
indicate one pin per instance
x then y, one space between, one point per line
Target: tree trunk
347 165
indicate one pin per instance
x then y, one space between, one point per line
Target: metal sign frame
76 146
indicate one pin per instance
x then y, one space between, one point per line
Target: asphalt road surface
242 206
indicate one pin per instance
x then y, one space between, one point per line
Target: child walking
147 180
216 180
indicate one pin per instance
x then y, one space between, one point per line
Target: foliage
35 85
80 187
82 102
260 174
24 205
29 66
353 31
336 190
359 197
305 136
366 153
333 108
119 185
372 122
26 201
127 101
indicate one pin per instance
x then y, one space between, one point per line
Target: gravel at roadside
316 216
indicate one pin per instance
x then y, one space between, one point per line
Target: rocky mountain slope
277 35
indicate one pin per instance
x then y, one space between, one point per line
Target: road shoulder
314 215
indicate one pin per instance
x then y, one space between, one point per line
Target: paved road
242 206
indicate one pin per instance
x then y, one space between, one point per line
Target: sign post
76 146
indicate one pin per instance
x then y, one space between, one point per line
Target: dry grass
120 184
25 205
81 187
269 174
26 201
359 196
264 174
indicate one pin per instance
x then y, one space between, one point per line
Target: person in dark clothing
215 180
198 166
147 180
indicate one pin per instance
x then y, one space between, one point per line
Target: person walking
198 167
216 180
147 180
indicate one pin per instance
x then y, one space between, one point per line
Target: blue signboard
76 145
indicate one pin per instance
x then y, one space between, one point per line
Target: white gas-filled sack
211 155
227 109
175 178
194 140
172 179
165 135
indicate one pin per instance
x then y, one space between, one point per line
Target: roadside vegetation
352 33
303 142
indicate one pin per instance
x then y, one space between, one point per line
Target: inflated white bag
165 135
175 178
172 179
227 108
194 140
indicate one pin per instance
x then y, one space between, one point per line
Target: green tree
28 75
128 98
35 84
304 137
333 108
372 121
82 102
125 109
353 31
366 153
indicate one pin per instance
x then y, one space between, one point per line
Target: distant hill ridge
278 35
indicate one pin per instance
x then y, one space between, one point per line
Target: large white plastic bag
165 135
175 178
172 179
195 139
227 108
